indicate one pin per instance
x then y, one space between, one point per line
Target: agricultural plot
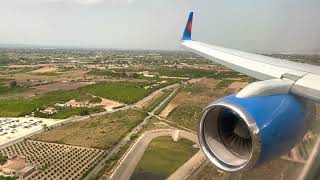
4 90
126 92
163 157
101 132
55 161
191 100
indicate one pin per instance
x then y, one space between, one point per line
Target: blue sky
251 25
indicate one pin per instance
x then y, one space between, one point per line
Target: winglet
187 31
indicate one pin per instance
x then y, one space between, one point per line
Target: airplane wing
306 77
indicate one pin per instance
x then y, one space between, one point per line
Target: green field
163 157
6 89
125 91
186 115
99 132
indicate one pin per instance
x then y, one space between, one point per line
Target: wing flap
308 86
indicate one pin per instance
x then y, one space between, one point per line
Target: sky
249 25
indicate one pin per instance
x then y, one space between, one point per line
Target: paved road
128 164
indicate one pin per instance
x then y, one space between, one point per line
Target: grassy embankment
153 104
165 104
163 157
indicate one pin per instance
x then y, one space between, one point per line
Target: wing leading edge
306 77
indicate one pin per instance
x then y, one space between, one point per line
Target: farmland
63 83
101 132
9 90
124 91
71 162
190 101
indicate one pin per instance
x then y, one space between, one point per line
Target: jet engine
241 133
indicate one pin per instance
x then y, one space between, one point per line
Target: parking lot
12 129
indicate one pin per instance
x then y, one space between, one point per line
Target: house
49 111
17 166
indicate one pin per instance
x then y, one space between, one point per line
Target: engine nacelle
241 133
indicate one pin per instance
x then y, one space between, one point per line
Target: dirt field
110 105
43 89
26 65
45 69
238 85
107 104
167 110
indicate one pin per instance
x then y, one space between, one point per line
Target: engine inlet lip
254 133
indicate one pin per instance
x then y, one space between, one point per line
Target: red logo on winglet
190 26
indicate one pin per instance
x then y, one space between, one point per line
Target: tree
45 127
3 159
84 112
13 83
95 100
6 178
135 75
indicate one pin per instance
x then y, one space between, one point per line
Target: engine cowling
241 133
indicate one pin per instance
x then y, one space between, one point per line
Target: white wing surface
306 77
